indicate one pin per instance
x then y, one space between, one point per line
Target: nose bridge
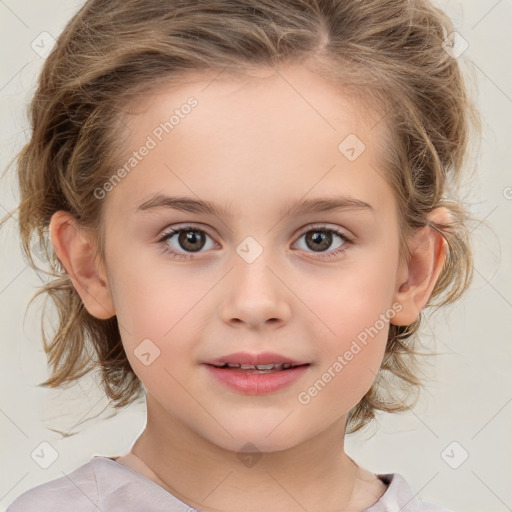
255 293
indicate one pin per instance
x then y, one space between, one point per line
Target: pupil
320 240
189 240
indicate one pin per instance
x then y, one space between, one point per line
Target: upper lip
254 359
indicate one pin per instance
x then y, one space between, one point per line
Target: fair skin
253 145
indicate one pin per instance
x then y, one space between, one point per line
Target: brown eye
320 240
184 242
191 240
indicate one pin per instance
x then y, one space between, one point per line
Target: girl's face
260 274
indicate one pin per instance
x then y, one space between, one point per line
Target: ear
418 277
76 252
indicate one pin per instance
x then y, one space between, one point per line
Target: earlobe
417 279
76 253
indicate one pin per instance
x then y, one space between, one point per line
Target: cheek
347 370
346 301
153 299
351 326
160 323
359 363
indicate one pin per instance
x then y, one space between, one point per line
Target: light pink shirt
104 485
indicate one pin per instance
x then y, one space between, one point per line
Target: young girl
306 148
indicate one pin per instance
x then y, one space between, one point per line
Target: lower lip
257 383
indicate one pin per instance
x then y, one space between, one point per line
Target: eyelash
336 252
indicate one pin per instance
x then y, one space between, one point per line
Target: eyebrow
187 204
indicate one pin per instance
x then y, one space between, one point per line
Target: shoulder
76 491
100 485
400 496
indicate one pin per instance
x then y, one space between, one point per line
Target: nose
256 296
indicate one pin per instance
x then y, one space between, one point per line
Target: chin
258 439
257 445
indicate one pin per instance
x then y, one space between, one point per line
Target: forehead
217 135
257 98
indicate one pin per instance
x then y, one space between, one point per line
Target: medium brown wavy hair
391 54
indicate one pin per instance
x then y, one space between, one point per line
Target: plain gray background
453 448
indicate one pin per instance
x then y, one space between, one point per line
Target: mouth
258 368
257 379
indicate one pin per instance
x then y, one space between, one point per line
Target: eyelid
343 232
301 232
183 227
348 240
324 225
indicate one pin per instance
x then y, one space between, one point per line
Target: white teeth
271 366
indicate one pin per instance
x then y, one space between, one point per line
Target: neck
211 478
